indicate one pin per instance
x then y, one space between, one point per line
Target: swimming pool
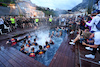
42 36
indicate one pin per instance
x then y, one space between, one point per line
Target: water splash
43 36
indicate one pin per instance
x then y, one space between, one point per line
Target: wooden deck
10 57
87 62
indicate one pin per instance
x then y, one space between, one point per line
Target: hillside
82 5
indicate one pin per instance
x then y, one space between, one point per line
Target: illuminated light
35 14
13 7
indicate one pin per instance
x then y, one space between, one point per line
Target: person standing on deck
50 20
37 21
12 19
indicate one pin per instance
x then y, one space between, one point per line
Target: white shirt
99 5
96 6
97 38
94 22
1 21
63 19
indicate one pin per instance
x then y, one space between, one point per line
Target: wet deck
10 57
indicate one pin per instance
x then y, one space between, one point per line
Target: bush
12 2
3 4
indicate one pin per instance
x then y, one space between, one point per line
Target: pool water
42 37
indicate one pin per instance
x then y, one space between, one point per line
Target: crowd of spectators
14 22
88 30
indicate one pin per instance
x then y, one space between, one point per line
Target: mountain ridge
82 5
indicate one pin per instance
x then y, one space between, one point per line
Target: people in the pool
49 34
23 49
35 43
57 35
40 51
51 42
12 41
32 53
52 34
24 43
59 29
29 43
46 45
36 37
60 33
28 36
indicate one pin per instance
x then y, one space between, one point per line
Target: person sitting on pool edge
13 41
46 46
40 51
23 49
34 43
32 53
29 43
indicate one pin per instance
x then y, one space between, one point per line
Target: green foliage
12 2
3 4
47 11
8 1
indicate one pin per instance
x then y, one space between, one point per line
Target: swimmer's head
40 47
32 49
52 32
29 41
24 41
36 36
34 40
46 43
50 40
22 47
29 36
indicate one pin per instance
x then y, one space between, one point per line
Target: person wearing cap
94 21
